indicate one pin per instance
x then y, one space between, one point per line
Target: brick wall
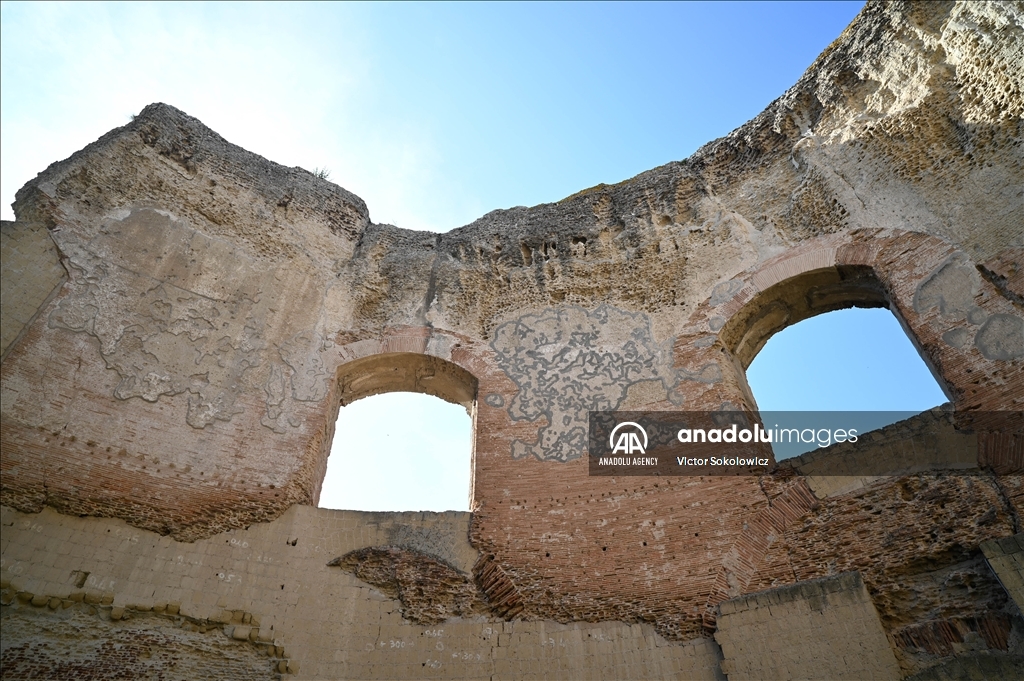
185 377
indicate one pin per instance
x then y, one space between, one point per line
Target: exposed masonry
807 628
1006 558
429 590
269 592
99 640
182 320
569 362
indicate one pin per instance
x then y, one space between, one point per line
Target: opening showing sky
400 452
434 114
856 360
847 360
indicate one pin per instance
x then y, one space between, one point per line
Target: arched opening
804 347
846 360
400 452
856 365
403 438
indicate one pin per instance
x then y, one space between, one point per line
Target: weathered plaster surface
190 317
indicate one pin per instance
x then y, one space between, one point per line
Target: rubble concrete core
182 320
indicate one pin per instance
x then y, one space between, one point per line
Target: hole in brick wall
400 451
852 360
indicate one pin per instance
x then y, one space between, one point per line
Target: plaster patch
569 361
951 287
1002 337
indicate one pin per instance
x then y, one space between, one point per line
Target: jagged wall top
206 281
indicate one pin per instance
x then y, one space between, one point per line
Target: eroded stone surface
32 274
429 590
219 308
831 607
146 645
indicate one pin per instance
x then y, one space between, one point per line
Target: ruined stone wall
32 274
176 353
93 596
821 629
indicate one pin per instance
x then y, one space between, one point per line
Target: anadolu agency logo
730 443
628 441
622 444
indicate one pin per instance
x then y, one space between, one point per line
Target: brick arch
795 299
907 272
406 372
408 368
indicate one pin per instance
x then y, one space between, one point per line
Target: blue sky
433 114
